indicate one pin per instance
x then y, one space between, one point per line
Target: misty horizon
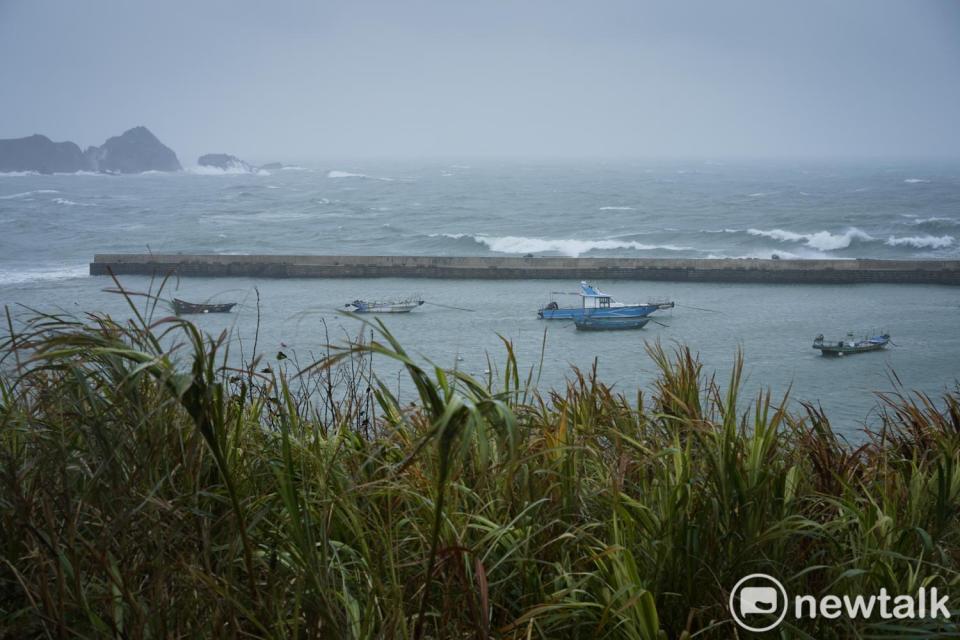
302 81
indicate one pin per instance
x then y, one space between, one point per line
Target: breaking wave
26 194
564 246
617 208
921 242
822 240
71 203
22 276
234 169
17 174
348 174
916 181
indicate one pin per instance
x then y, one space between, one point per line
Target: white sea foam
933 220
71 203
22 276
822 240
617 209
916 181
233 169
347 174
294 167
782 255
921 242
17 174
27 194
565 246
758 194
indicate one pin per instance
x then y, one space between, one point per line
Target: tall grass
149 490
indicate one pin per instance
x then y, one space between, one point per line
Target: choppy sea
50 227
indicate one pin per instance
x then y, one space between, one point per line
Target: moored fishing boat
850 344
184 307
591 323
598 304
405 305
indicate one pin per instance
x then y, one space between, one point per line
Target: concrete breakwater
487 268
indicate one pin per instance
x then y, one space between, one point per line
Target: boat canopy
587 290
593 298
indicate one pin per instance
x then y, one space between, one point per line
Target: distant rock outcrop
41 154
225 162
135 151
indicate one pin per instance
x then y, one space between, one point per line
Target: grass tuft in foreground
147 490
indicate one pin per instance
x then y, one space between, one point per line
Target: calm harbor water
52 225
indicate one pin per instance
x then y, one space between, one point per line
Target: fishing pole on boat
447 306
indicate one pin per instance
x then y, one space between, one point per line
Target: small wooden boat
184 307
590 323
405 305
850 344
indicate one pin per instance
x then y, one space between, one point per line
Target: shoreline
945 272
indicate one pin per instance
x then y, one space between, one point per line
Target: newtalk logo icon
759 603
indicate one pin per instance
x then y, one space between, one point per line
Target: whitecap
347 174
781 255
22 276
822 240
71 203
916 181
564 246
921 242
17 174
617 209
25 194
233 169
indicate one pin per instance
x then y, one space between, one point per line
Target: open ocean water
50 227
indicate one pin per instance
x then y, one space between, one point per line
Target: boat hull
610 324
842 348
396 309
575 313
184 307
385 307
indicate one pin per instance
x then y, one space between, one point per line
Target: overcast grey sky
294 79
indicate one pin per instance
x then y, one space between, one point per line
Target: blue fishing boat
590 323
598 304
